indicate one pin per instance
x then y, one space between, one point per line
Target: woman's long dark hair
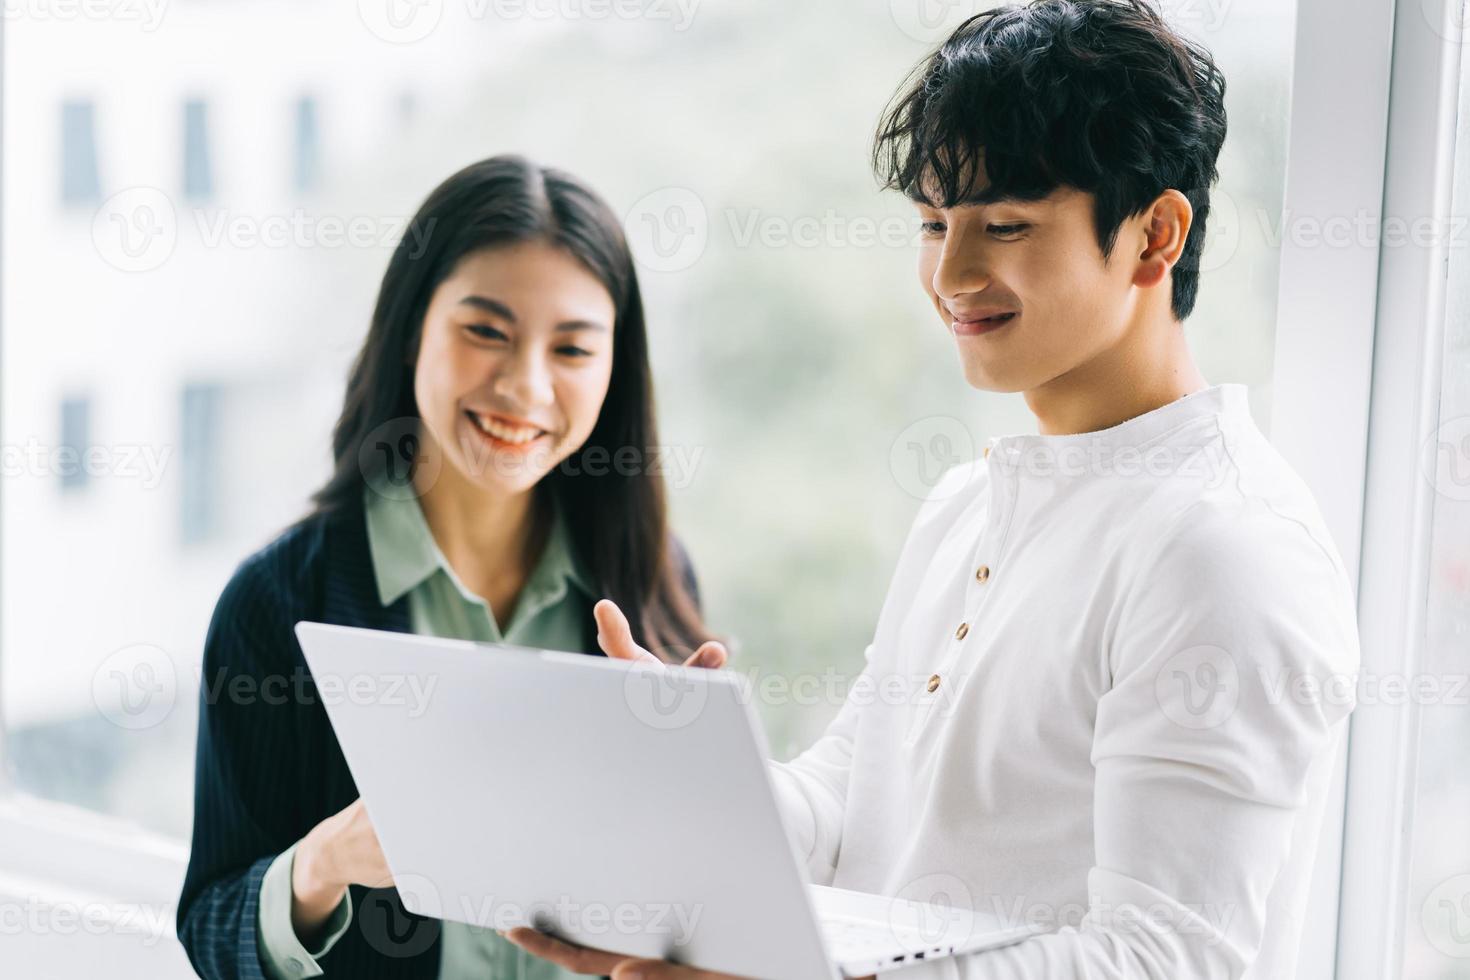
618 519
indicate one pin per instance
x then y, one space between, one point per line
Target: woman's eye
574 352
1007 230
485 332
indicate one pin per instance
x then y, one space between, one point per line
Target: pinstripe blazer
268 767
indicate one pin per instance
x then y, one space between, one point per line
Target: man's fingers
577 959
615 636
661 970
711 656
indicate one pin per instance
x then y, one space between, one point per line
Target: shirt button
933 683
960 633
982 573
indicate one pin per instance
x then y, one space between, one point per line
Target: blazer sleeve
245 744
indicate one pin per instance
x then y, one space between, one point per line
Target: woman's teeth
505 433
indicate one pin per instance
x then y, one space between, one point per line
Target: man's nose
961 267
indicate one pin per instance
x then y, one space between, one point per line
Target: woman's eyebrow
489 306
500 309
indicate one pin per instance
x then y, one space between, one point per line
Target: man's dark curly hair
1099 95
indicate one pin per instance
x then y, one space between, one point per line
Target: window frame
1399 501
1325 330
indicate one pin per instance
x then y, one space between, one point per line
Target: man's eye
932 228
1006 231
485 332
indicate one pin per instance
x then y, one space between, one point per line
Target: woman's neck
492 541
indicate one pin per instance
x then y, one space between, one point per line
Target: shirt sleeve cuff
282 954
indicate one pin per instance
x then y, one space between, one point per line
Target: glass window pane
199 449
79 181
305 161
75 441
198 179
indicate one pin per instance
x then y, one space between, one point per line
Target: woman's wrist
315 892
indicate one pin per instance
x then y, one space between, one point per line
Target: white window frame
1325 325
1397 519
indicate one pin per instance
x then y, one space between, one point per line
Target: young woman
488 484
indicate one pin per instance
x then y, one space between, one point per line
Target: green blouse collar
404 554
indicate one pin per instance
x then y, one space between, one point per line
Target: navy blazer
268 767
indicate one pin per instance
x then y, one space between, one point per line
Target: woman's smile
506 436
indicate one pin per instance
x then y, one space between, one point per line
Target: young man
1120 629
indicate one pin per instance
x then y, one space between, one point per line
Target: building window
79 181
198 179
199 462
308 148
75 441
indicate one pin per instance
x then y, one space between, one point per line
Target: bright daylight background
198 328
199 200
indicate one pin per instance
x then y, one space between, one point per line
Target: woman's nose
524 379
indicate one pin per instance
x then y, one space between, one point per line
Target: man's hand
596 962
616 640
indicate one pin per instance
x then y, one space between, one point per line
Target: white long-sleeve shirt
1103 694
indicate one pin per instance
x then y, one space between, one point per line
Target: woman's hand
616 639
342 850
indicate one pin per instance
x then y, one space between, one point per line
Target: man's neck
1148 369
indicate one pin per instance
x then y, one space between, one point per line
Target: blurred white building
197 208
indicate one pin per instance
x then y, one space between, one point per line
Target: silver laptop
618 806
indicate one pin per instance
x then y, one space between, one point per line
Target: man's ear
1165 227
